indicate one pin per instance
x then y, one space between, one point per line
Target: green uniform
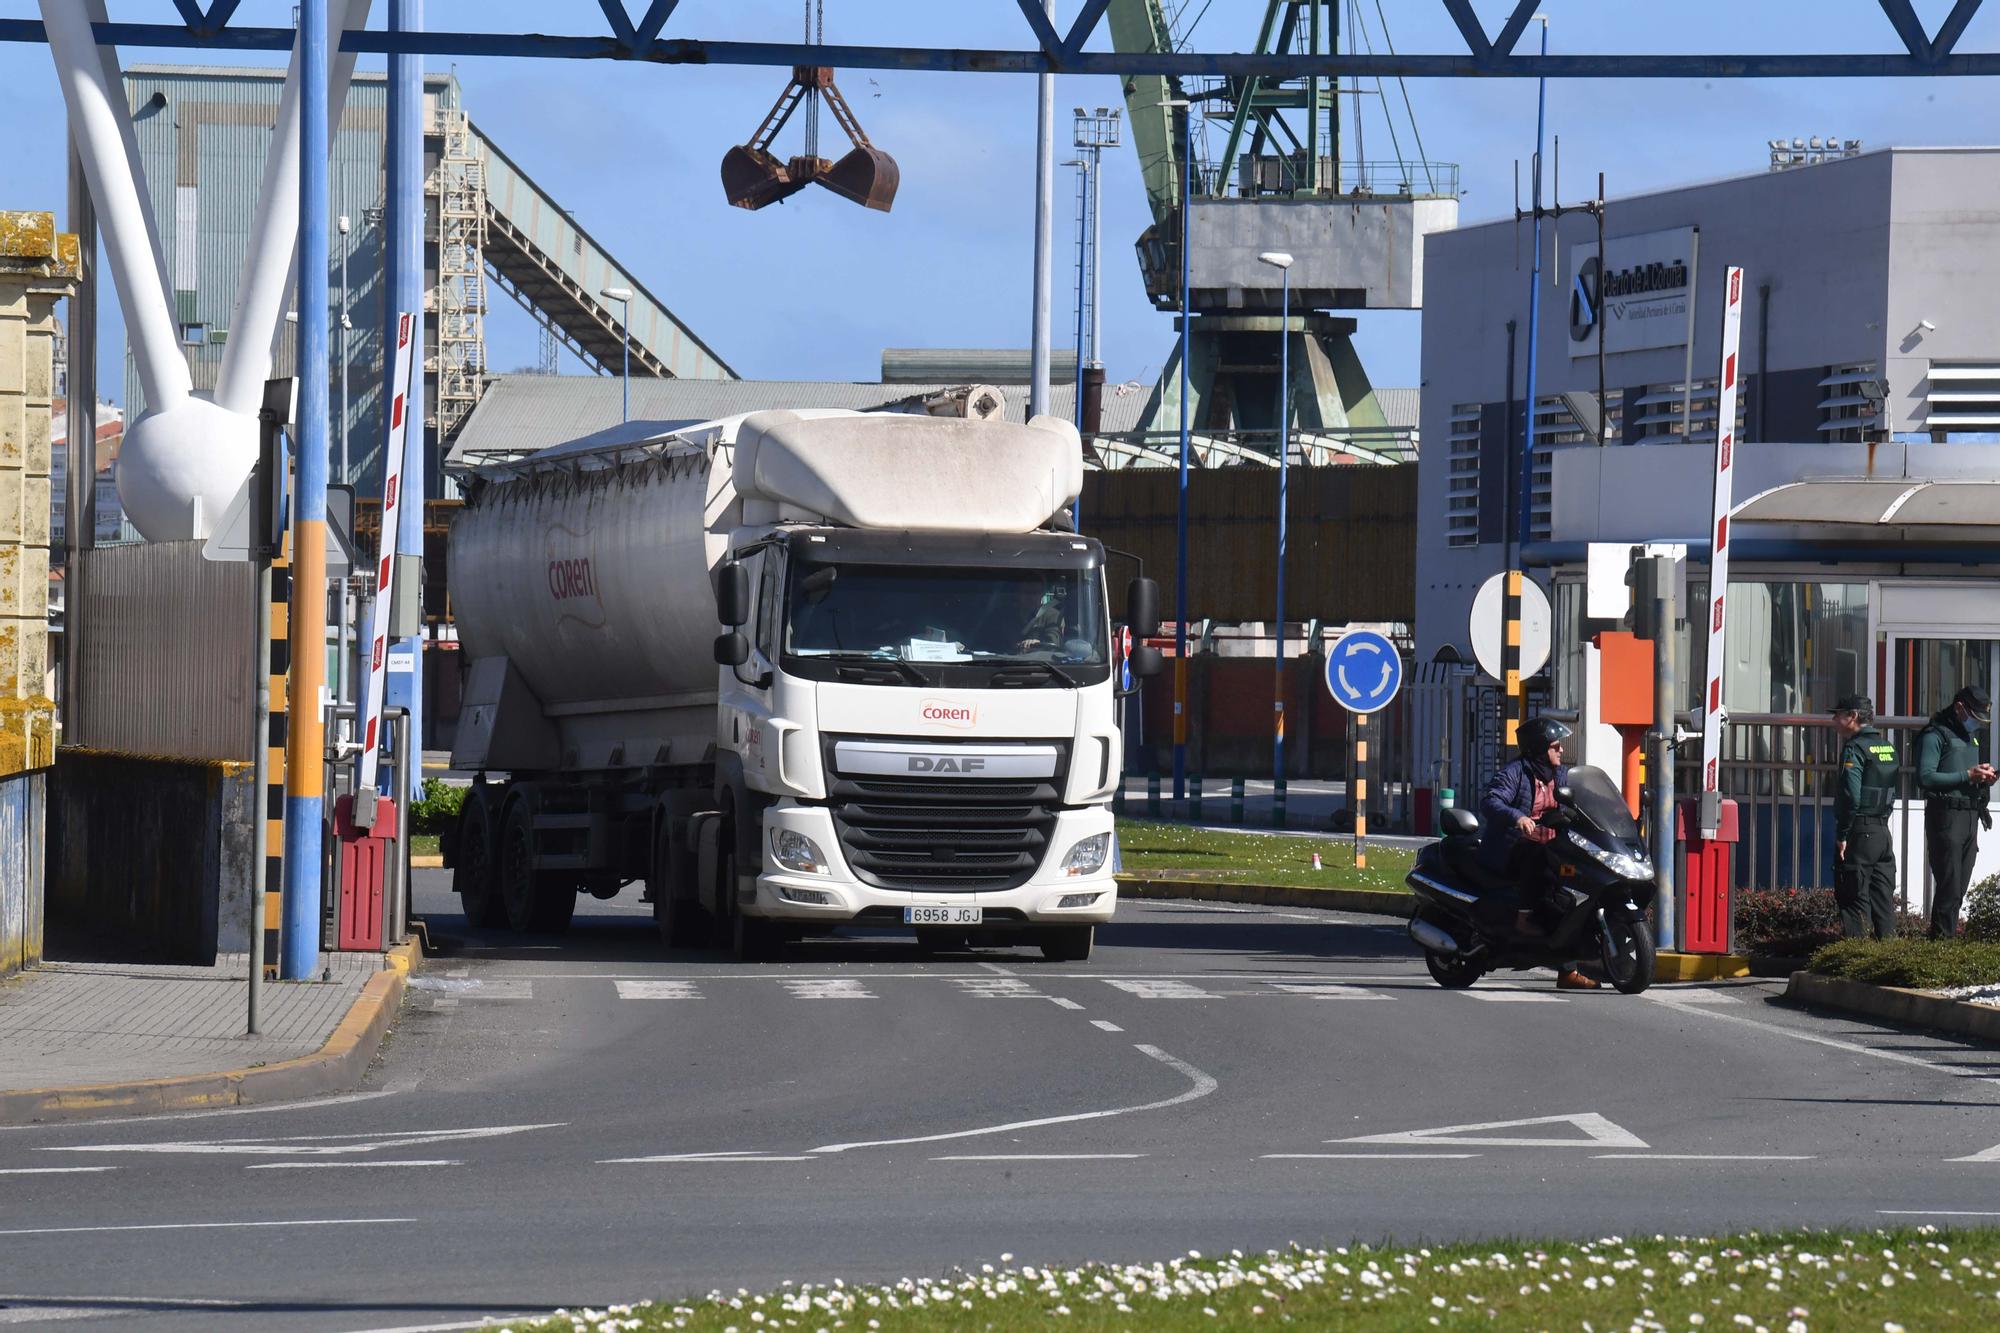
1954 811
1865 881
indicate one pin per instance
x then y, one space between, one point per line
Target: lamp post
1181 514
1281 261
623 295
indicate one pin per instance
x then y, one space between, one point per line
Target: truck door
760 751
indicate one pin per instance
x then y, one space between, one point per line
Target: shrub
1917 964
437 809
1785 923
1982 910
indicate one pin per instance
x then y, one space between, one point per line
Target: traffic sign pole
1364 673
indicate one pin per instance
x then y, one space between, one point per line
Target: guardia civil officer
1956 784
1865 875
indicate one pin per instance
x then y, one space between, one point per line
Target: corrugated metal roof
1400 406
521 413
972 365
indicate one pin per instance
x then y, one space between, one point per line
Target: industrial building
1867 534
203 133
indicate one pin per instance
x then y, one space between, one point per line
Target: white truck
794 671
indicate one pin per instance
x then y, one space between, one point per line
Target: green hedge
437 810
1916 964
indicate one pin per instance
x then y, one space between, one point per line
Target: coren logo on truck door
941 714
944 763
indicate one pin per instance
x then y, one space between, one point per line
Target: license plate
940 916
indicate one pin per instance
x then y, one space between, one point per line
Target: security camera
1926 326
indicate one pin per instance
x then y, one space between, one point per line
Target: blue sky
817 287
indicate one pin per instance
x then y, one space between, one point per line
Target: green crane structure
1277 180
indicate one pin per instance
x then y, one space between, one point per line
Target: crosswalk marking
1505 994
829 990
998 988
1162 989
475 988
1327 990
657 990
1690 997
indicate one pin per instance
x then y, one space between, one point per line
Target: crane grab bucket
753 176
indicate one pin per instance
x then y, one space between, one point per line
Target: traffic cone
1316 864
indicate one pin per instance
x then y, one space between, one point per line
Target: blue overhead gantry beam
1926 55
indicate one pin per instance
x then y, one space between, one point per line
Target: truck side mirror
732 595
1145 661
731 649
1142 610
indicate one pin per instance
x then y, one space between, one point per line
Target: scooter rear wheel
1452 971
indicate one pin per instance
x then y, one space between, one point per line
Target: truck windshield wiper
895 664
1036 664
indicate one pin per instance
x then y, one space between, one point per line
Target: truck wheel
1068 944
679 921
516 864
755 940
472 877
555 904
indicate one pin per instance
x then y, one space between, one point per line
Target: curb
1896 1005
1379 902
1670 966
334 1067
429 861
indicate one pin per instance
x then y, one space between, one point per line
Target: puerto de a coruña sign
1363 671
1636 296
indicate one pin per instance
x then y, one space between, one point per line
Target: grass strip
1228 857
1884 1281
1915 964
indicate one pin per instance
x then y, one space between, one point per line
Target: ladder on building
460 297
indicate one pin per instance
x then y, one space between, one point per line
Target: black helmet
1537 734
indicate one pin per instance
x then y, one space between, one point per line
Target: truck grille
945 835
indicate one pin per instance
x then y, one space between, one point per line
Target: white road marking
1061 1003
722 1158
843 989
311 1105
1690 997
209 1226
1698 1157
1164 989
1202 1083
1327 990
52 1170
1107 1026
999 970
1989 1155
485 1321
311 1145
1599 1132
1367 1156
998 988
1906 1212
1987 1075
475 988
1504 993
349 1163
657 989
1045 1157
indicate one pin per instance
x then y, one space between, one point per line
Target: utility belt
1956 801
1870 817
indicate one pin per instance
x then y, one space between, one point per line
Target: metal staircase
460 296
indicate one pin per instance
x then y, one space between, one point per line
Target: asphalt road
589 1120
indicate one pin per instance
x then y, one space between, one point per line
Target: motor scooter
1465 920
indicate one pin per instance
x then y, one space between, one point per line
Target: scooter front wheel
1626 947
1452 971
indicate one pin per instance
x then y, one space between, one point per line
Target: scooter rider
1520 794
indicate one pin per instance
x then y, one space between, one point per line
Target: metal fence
163 644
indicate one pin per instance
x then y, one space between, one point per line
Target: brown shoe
1574 980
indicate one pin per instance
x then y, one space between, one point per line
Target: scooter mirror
1565 795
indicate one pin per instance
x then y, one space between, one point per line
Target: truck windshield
967 616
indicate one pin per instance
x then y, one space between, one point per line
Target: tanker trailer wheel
473 875
534 901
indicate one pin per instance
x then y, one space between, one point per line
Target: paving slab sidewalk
80 1039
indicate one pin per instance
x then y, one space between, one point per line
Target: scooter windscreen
1597 800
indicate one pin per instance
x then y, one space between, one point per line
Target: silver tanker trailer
793 671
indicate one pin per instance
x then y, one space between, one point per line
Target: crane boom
1139 26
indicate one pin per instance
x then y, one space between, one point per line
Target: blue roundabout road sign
1363 671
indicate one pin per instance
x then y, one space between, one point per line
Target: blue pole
1534 310
404 246
1181 519
1284 469
305 748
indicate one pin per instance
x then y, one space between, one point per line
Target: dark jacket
1867 780
1509 796
1945 751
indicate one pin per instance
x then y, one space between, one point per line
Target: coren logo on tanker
942 714
571 578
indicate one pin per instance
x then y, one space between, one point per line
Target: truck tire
473 875
680 921
534 900
1068 944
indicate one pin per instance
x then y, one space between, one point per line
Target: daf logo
944 763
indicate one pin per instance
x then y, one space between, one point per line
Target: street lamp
1181 515
346 326
623 295
1282 262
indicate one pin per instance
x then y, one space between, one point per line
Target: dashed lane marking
1699 1157
1106 1025
1367 1156
53 1170
351 1165
210 1226
657 990
1044 1157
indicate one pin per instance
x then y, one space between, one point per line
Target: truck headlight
1086 857
796 852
